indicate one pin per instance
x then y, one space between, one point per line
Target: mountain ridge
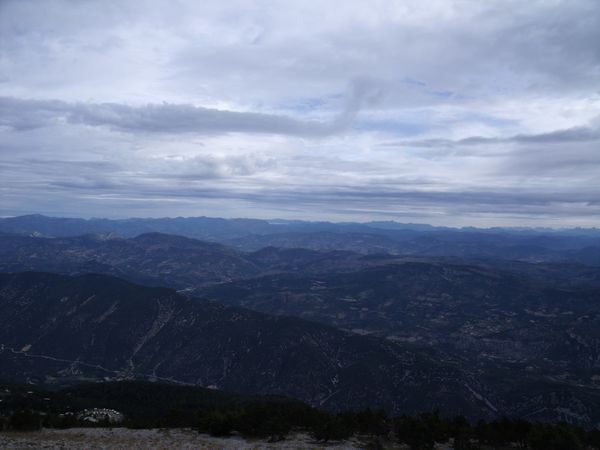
533 245
60 328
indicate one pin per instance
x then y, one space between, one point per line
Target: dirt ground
126 439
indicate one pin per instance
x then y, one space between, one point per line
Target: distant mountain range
534 245
183 263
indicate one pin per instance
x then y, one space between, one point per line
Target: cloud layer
456 112
20 114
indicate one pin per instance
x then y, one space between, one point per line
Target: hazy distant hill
175 261
151 258
578 245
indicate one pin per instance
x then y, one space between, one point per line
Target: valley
482 337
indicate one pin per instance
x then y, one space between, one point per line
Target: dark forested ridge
142 402
466 309
59 329
220 414
150 405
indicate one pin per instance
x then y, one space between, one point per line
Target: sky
448 112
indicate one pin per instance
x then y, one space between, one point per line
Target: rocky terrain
159 439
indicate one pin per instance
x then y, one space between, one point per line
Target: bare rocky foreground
123 438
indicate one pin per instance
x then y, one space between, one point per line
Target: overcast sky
449 112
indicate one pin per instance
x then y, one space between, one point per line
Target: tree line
157 405
276 421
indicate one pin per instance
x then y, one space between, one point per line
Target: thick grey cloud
21 114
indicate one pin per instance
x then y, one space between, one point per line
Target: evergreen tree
554 437
26 420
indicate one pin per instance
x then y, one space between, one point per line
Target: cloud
450 111
21 114
588 133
